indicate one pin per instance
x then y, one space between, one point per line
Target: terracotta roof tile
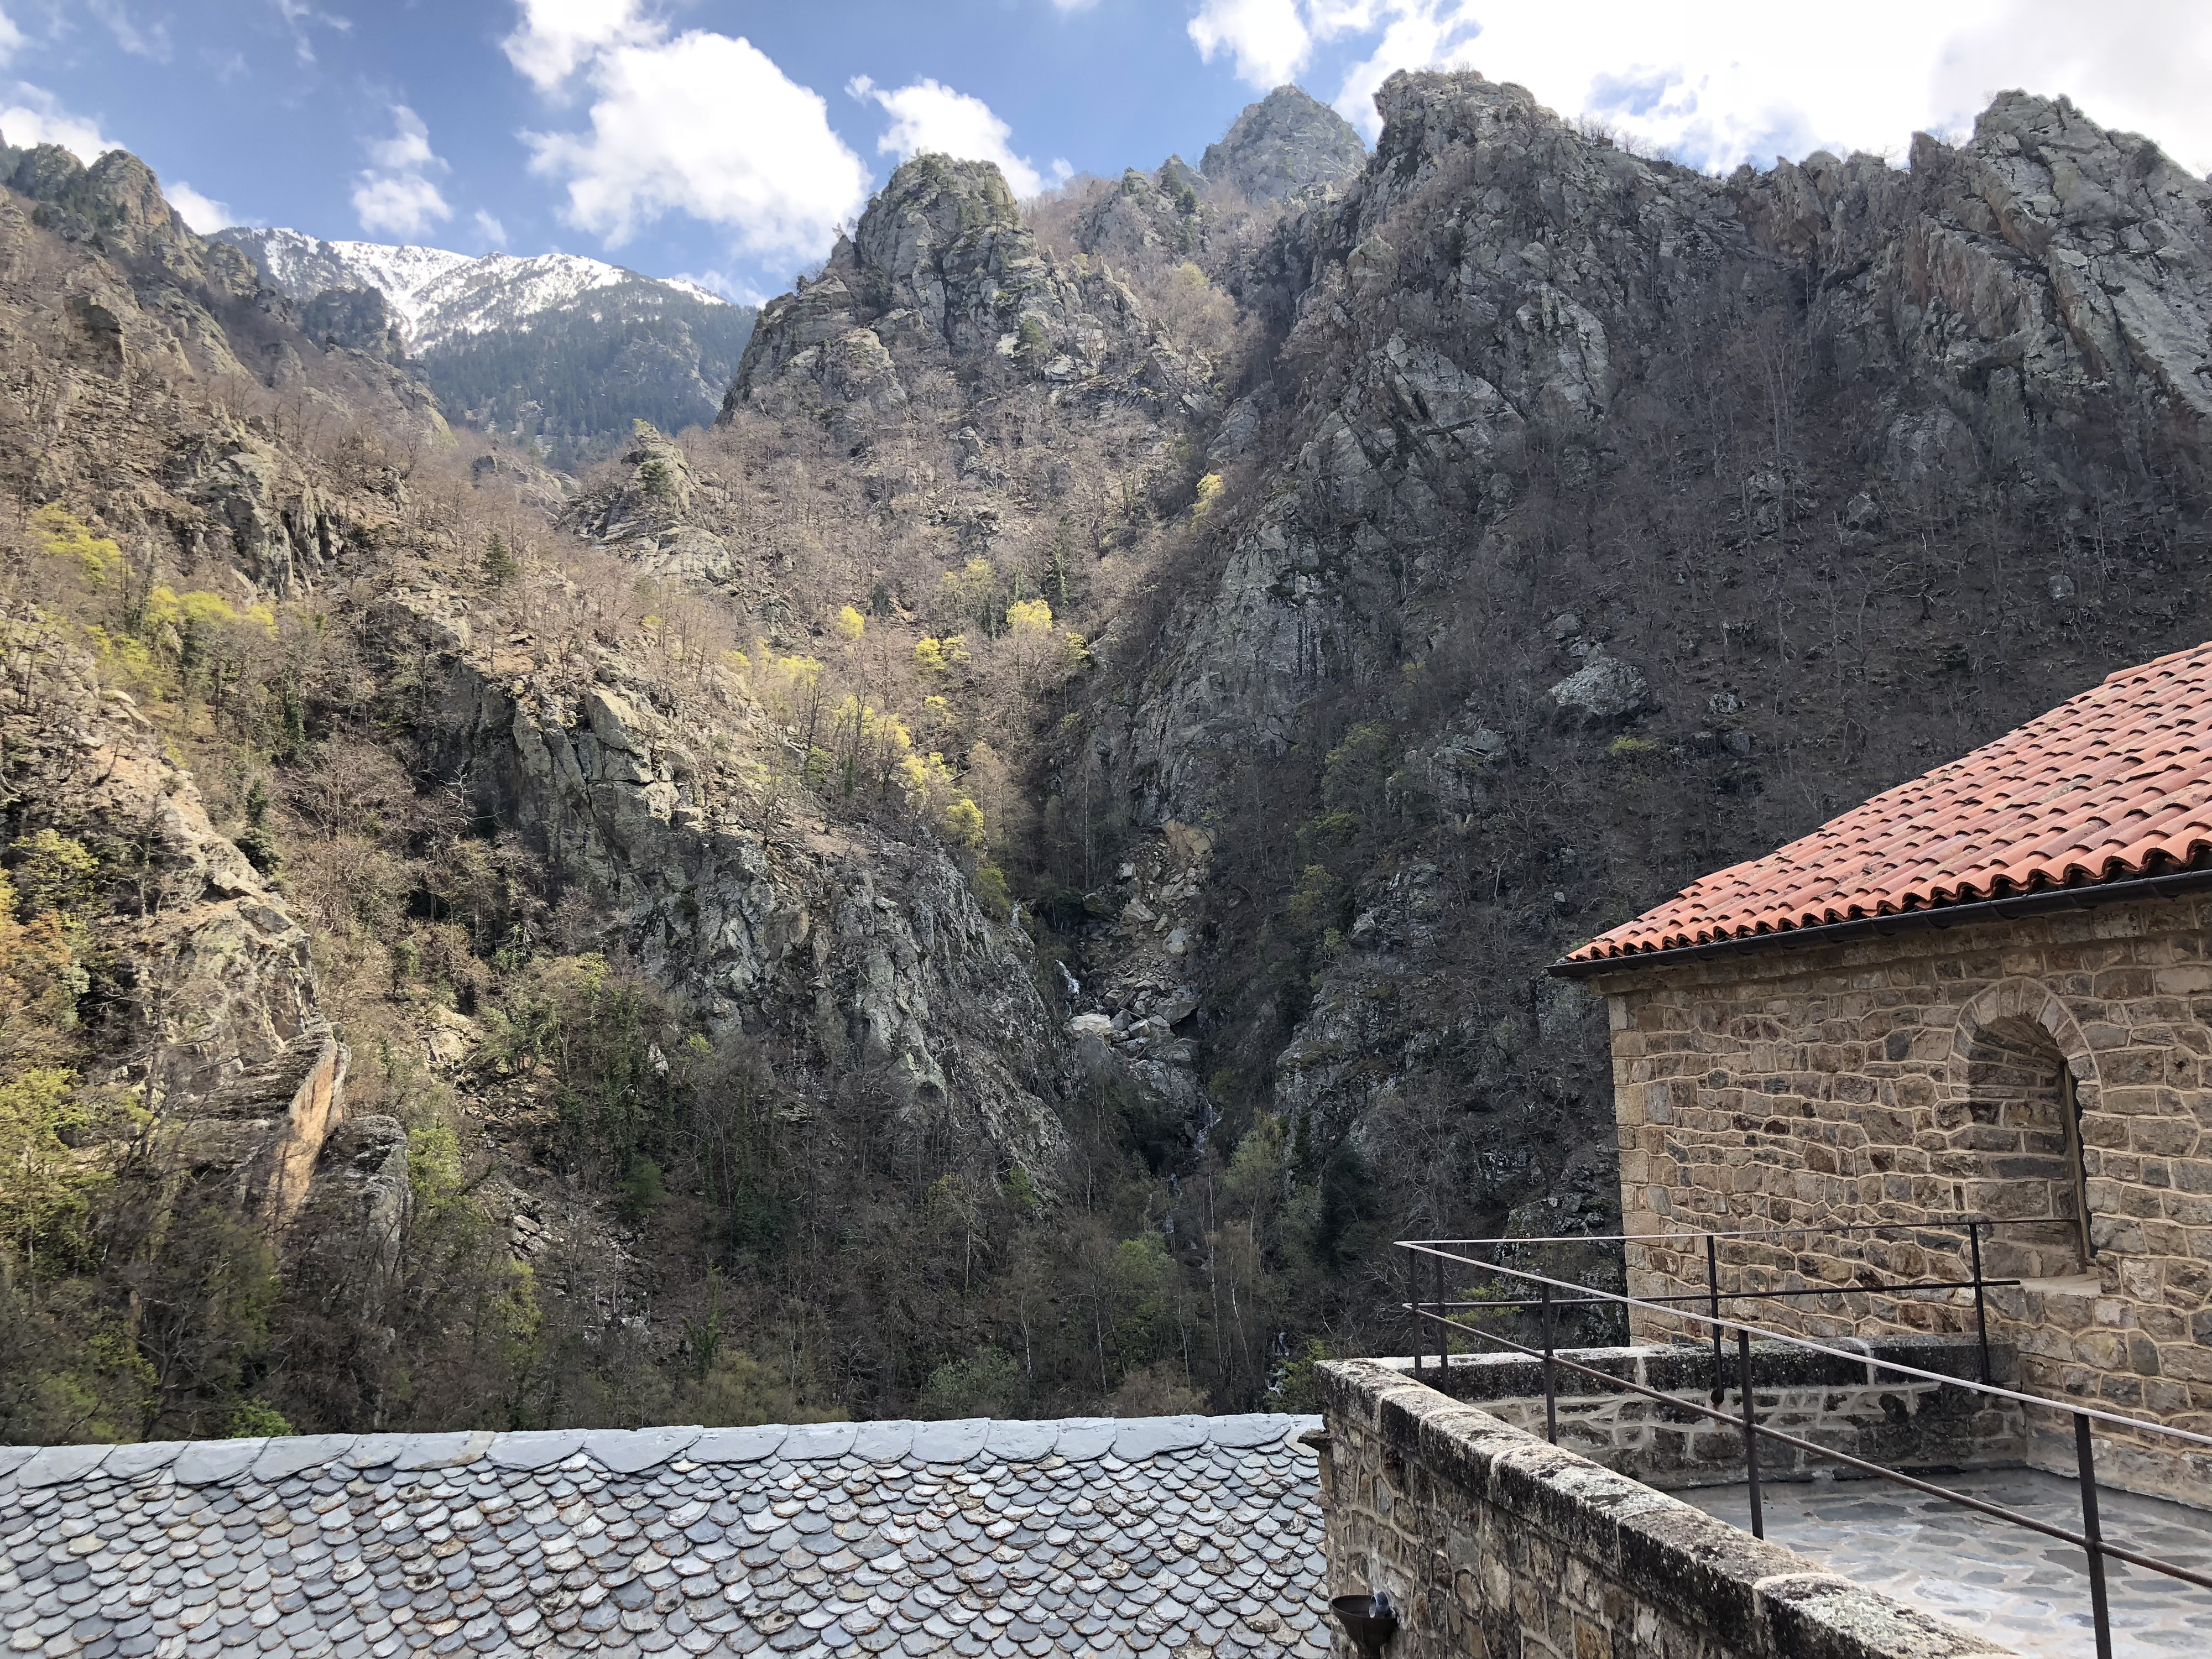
2113 784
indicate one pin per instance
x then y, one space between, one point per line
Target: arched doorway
2023 1146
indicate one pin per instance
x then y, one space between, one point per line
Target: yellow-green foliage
971 590
849 622
200 611
98 561
41 975
962 823
46 1188
990 884
53 872
1029 617
941 656
1209 491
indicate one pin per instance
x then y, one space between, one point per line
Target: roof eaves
2040 903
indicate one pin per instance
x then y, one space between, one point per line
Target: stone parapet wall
1896 1080
1855 1408
1496 1546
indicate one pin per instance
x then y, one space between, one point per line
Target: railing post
2086 1465
1713 1306
1551 1398
1444 1325
1981 1305
1751 1436
1414 1302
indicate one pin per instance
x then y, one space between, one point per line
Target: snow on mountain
303 266
502 291
438 295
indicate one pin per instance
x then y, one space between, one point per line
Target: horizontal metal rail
1747 1296
1934 1223
1760 1334
1965 1499
1450 1313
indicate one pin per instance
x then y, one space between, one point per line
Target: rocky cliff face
1039 834
2047 282
1286 143
1592 637
859 953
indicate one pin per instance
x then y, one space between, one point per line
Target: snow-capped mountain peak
437 296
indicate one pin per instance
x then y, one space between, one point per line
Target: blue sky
726 140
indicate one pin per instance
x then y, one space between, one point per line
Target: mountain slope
302 266
558 349
996 877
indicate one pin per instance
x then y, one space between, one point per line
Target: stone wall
1844 1405
1916 1076
1496 1546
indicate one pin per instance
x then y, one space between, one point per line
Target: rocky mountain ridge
555 349
436 295
998 875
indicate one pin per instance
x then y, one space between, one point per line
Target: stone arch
2023 1074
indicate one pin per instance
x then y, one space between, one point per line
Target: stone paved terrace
1199 1537
2004 1582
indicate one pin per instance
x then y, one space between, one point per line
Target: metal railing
1549 1303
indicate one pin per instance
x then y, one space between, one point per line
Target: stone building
1984 993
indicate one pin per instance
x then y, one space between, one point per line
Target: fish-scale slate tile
1193 1537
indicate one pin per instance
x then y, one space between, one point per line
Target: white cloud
300 15
11 38
490 228
151 41
556 38
2144 68
706 125
735 289
1268 39
1714 82
929 117
36 117
203 212
394 194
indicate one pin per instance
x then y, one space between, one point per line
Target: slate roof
2113 784
1196 1537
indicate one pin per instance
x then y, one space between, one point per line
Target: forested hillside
996 876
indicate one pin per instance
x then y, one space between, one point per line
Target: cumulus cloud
34 116
556 38
702 124
203 212
11 38
394 194
490 229
1714 82
1268 41
928 117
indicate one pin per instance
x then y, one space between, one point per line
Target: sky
728 141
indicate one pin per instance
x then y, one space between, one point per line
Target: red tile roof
2113 784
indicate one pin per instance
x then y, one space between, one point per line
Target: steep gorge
997 878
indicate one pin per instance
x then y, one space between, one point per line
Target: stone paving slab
1195 1538
2002 1582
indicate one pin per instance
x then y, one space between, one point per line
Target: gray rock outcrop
1287 143
941 272
871 953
